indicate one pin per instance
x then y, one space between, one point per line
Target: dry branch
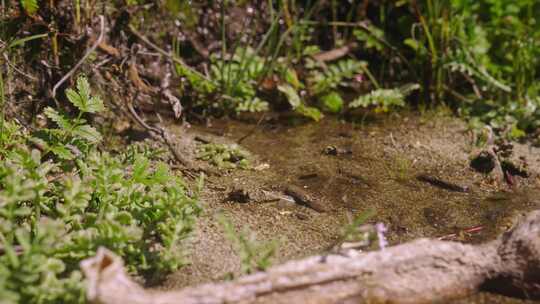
422 271
83 59
336 53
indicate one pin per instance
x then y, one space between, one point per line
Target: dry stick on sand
88 52
162 133
422 271
188 166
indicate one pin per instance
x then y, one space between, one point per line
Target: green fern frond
335 74
384 99
478 72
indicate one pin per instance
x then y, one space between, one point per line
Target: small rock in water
484 162
333 150
239 195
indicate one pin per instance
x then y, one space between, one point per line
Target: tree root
422 271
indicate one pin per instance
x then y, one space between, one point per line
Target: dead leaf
133 75
109 49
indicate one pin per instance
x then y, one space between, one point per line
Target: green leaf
412 43
311 50
95 105
83 87
87 133
30 6
140 169
124 218
161 175
75 99
332 102
55 265
22 41
197 81
23 211
516 132
62 152
291 77
310 112
371 37
58 118
82 99
291 94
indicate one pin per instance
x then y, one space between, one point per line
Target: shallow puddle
352 169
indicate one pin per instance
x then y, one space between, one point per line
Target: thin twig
470 230
252 131
162 133
88 52
18 70
393 141
165 53
476 90
457 95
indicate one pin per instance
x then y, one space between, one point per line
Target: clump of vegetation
383 100
483 55
224 156
61 198
358 235
231 85
480 57
400 169
254 255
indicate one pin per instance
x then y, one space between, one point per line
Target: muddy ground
351 168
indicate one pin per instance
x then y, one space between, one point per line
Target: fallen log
422 271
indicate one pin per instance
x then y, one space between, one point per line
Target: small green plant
224 156
237 79
400 169
254 255
351 231
73 135
57 208
323 83
297 104
332 102
232 84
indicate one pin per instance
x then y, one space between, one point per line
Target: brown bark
422 271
